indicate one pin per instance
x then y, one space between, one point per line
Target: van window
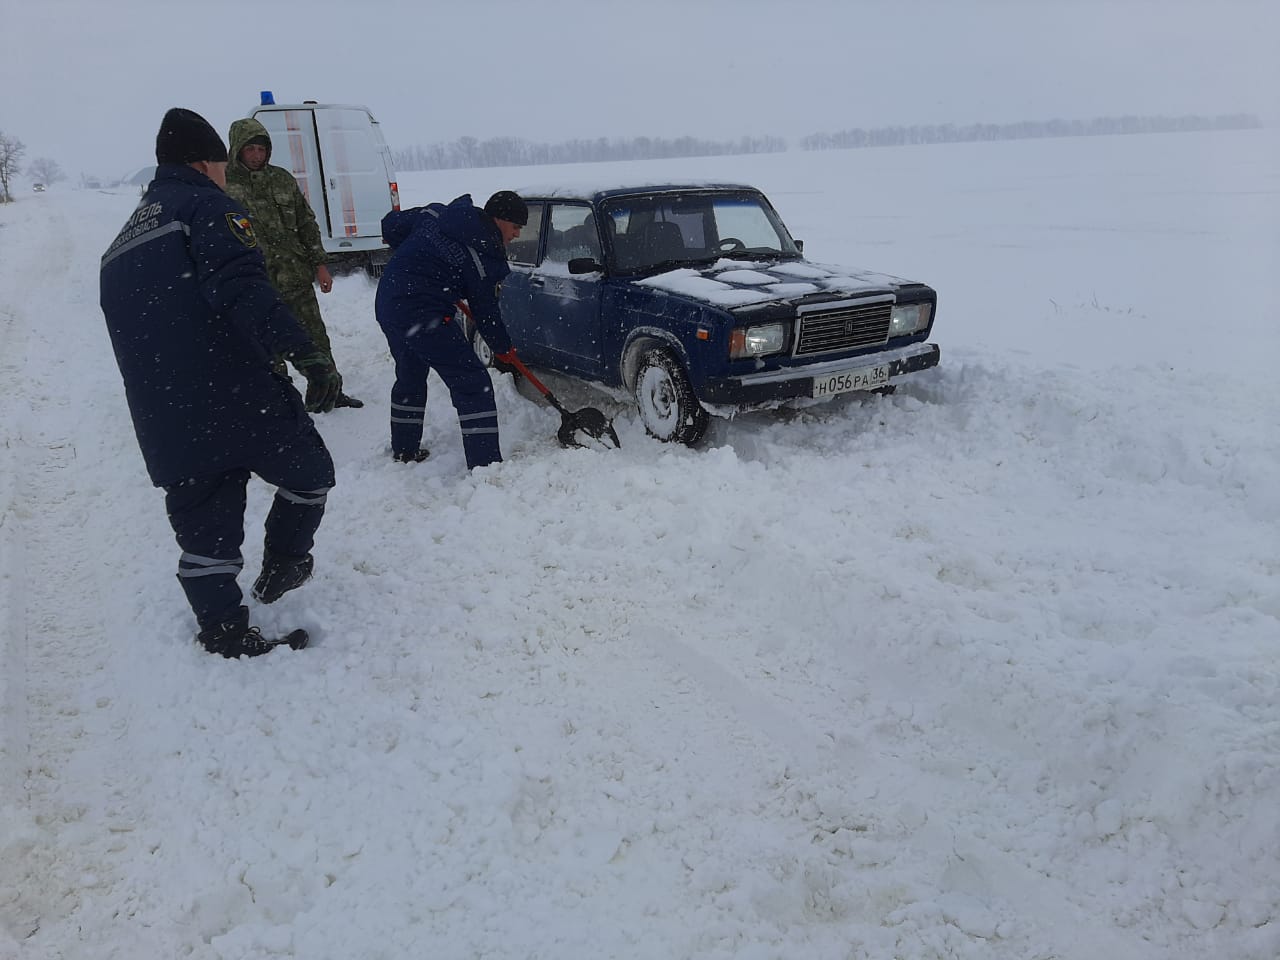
348 145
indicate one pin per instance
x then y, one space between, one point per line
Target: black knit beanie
507 205
187 137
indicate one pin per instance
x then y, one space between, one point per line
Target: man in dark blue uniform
194 323
444 254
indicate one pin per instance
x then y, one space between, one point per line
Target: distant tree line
1023 130
515 152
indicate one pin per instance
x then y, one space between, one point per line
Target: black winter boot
415 456
235 638
280 575
346 401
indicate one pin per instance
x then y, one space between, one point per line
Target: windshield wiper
757 255
664 265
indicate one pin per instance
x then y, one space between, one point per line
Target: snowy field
987 669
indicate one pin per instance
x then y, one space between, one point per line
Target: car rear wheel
481 347
664 396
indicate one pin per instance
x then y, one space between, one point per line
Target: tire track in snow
16 919
54 581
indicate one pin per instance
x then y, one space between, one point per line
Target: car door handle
535 281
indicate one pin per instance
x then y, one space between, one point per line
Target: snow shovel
588 420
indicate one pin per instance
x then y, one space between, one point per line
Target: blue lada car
695 298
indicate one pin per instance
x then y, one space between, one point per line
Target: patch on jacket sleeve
242 229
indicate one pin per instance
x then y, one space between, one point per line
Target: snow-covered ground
987 669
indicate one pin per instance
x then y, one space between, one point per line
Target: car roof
598 193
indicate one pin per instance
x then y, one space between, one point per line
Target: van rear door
343 166
355 172
293 146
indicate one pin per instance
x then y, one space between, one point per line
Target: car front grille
844 328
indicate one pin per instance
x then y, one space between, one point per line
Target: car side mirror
584 265
800 245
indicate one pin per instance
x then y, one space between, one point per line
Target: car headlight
909 318
757 341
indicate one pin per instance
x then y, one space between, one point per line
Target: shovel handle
519 365
538 384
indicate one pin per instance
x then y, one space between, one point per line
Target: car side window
524 249
572 234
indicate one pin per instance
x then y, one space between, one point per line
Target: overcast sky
86 82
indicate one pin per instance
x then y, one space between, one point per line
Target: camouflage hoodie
282 218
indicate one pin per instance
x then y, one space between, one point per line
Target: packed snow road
984 669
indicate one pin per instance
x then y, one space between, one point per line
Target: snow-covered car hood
736 283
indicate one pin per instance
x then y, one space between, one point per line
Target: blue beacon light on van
267 99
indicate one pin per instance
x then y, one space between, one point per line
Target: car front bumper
790 382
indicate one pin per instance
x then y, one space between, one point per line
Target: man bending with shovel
443 254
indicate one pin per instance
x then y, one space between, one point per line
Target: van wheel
664 396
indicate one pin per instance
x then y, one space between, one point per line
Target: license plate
861 378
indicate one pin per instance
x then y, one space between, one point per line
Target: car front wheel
664 396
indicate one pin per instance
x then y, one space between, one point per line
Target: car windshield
649 234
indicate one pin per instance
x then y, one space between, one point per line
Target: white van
343 166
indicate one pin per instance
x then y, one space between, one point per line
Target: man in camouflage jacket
286 229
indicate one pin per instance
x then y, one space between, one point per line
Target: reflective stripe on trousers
444 349
207 516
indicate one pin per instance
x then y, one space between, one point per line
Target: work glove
506 362
323 382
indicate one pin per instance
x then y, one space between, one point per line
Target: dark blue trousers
207 515
444 349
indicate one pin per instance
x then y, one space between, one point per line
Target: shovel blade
589 421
